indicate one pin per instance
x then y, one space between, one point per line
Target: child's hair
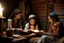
34 24
54 17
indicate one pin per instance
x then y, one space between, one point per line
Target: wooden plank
59 7
59 2
43 21
56 5
62 20
59 10
33 1
60 14
39 9
38 3
42 18
61 17
39 6
41 15
38 12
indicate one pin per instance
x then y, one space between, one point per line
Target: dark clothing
56 30
55 33
16 24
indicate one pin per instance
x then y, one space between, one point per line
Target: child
31 25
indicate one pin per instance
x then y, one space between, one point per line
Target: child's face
50 20
18 16
32 21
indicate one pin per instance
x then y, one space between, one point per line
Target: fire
1 11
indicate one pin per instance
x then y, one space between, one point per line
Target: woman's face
18 16
32 21
50 20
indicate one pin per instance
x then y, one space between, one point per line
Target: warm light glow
36 30
1 9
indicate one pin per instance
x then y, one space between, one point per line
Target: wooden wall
9 6
39 8
22 8
59 9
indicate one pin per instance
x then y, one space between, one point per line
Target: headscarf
31 16
15 12
52 13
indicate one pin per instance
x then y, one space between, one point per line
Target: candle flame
1 9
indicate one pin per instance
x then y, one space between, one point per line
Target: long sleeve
26 27
55 30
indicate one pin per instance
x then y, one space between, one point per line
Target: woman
55 32
15 21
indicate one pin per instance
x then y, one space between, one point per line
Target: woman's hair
15 12
18 23
54 17
35 22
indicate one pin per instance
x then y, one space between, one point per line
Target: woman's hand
42 31
31 30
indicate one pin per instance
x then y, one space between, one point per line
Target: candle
1 9
9 23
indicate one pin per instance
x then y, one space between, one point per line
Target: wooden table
12 40
22 39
